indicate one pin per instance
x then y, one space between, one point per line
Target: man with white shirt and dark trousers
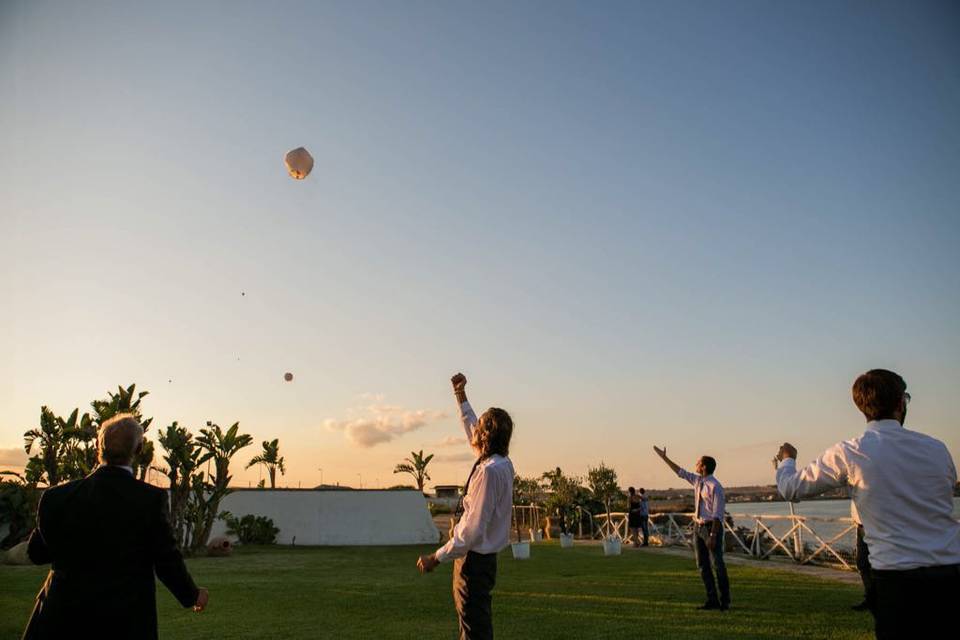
709 508
901 483
483 528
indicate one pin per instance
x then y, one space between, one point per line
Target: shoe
709 606
863 606
724 607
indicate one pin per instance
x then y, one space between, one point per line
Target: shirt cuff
442 554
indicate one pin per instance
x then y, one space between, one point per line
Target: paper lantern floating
288 377
299 163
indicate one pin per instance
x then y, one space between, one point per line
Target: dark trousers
863 566
917 603
473 578
706 557
645 527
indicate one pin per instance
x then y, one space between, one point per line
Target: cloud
452 441
13 457
376 423
455 457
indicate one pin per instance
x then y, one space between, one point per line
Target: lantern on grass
299 163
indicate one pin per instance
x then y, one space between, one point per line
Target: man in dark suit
106 536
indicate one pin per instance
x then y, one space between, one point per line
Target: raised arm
829 471
686 475
467 415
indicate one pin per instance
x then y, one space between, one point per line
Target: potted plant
562 502
603 485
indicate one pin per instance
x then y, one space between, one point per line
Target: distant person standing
709 508
645 517
902 485
485 513
633 515
637 516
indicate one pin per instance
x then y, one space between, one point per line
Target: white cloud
452 441
375 423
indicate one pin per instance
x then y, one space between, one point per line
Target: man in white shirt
709 507
901 483
485 512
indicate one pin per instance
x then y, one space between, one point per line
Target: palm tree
220 446
271 459
53 439
415 465
182 456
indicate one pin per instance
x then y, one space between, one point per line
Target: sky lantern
288 376
299 163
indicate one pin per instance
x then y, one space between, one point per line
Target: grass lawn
376 592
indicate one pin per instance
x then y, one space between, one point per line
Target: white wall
337 517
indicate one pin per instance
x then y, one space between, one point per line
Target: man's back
902 483
105 536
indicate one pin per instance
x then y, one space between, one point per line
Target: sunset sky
683 224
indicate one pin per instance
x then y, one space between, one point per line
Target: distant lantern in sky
299 163
288 376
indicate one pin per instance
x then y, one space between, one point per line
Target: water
818 508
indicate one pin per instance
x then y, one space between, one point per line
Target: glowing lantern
299 163
288 376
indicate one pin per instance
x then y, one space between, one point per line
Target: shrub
251 529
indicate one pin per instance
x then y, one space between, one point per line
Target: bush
18 508
251 529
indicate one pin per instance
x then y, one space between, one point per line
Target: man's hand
427 563
203 596
459 383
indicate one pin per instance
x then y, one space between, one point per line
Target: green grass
375 592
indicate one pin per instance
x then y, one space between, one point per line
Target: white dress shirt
901 483
484 526
709 502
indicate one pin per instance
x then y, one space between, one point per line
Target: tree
602 481
565 494
182 459
219 446
271 459
53 438
416 466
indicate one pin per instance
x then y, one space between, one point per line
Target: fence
758 540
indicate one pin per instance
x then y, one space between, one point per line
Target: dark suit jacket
106 536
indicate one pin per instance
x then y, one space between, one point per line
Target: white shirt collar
877 425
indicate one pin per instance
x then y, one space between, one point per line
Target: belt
937 571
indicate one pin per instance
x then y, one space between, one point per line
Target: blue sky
629 223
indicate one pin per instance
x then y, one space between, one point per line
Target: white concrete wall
337 517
